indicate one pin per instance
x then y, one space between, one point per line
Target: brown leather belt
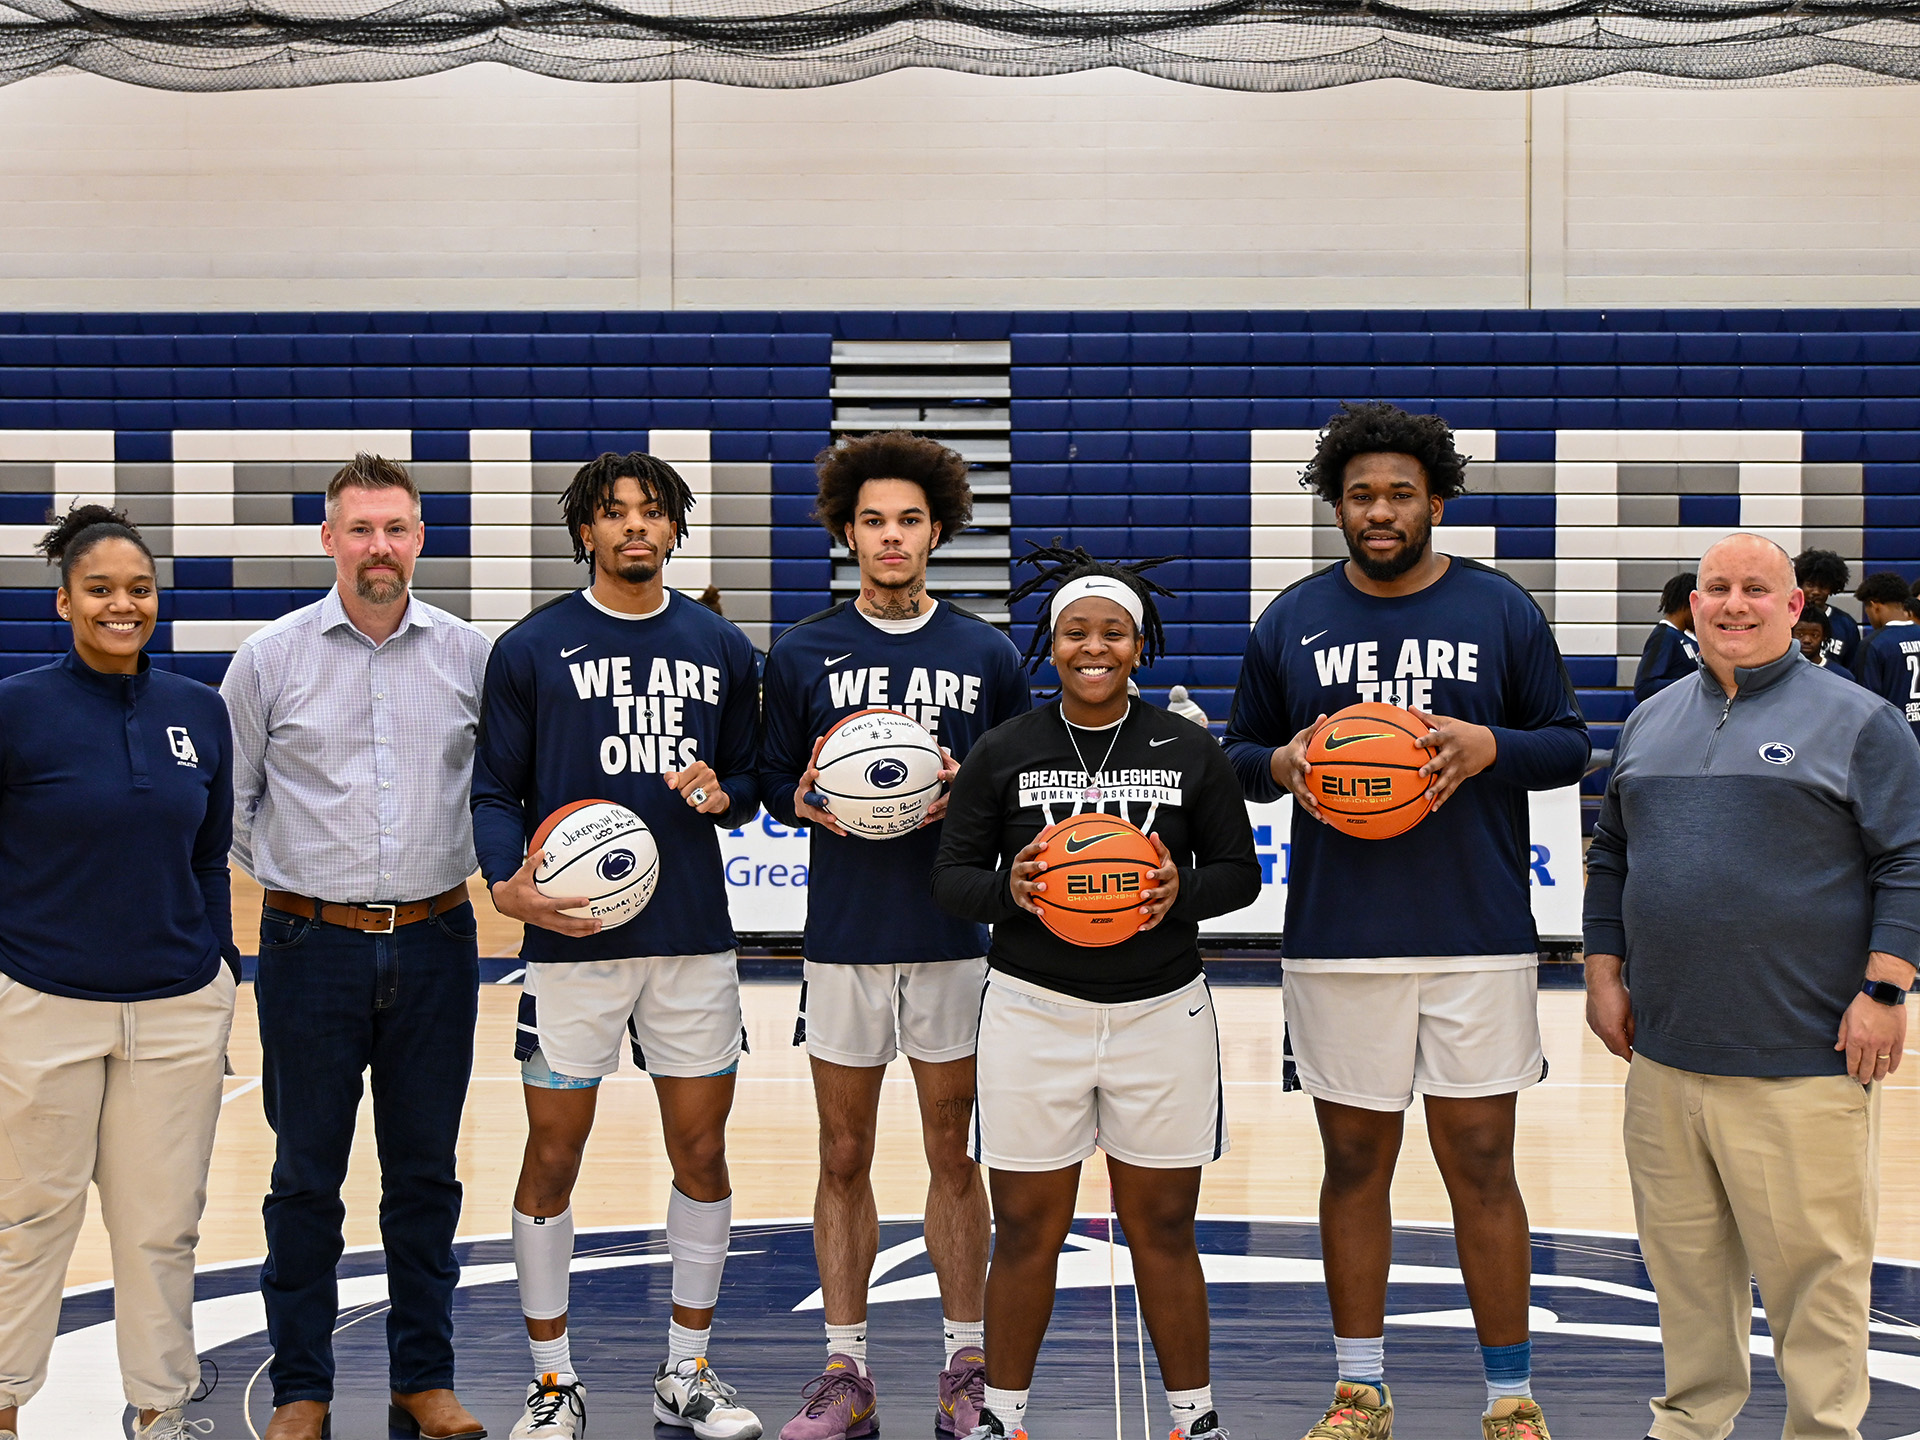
376 919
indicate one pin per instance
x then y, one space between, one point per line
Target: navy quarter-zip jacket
116 814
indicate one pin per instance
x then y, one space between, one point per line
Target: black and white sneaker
692 1397
554 1411
1208 1425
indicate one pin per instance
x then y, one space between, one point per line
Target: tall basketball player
1384 1000
631 692
913 982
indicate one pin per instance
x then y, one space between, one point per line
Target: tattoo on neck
901 604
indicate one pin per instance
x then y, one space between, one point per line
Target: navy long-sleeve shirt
1670 654
581 703
955 674
1890 668
116 813
1472 646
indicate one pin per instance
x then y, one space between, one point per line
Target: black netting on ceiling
1230 44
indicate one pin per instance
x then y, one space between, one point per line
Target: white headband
1104 586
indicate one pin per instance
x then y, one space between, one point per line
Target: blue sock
1509 1370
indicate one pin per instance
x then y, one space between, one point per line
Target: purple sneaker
963 1391
837 1404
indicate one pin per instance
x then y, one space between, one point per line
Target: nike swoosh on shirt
836 659
1156 744
575 651
1309 639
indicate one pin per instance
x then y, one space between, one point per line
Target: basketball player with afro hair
885 974
627 691
1386 998
1115 1048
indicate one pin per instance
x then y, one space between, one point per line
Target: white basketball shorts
679 1013
1059 1077
864 1015
1373 1041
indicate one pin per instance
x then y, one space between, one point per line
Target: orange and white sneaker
1358 1412
1514 1417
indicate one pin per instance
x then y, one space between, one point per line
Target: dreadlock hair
80 529
1055 565
1375 427
592 491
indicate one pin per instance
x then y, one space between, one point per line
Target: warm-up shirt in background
1890 668
1670 654
1159 772
1750 852
1450 894
583 703
116 811
1844 643
950 671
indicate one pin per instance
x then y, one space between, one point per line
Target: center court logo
615 865
887 774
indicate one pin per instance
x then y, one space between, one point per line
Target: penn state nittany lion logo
615 865
1777 752
886 773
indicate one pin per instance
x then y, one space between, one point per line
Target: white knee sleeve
697 1235
543 1259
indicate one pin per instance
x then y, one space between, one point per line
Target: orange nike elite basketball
1366 770
1097 865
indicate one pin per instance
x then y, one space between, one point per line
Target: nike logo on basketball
1309 639
575 651
1075 844
836 659
1156 744
1340 742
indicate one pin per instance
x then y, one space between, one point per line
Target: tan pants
125 1096
1737 1179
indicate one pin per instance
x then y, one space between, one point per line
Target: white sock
542 1259
963 1334
1008 1406
685 1344
1363 1360
1187 1406
849 1340
553 1357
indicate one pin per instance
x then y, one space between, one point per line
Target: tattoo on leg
954 1107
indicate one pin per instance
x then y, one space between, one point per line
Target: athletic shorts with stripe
680 1014
1060 1077
864 1015
1374 1040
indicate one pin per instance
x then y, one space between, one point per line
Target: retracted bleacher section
1609 448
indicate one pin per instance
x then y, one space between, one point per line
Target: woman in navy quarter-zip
117 974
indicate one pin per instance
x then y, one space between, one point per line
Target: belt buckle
392 911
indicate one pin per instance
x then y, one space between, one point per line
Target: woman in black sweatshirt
116 811
1115 1047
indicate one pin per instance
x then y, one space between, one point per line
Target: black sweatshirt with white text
1164 774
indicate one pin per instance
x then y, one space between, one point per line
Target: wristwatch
1884 991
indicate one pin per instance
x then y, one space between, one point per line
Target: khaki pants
1776 1180
125 1096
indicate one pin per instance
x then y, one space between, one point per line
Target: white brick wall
488 188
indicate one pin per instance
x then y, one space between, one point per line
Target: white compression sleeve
697 1234
543 1259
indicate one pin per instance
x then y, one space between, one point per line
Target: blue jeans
333 1003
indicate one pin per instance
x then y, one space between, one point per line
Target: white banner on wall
766 865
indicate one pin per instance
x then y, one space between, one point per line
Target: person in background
1821 575
1671 653
1890 657
1812 632
115 1003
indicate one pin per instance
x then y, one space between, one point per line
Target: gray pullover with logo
1749 854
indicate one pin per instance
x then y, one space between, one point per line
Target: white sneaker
554 1411
692 1397
172 1425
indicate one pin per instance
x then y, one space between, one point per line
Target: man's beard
1409 555
633 572
378 592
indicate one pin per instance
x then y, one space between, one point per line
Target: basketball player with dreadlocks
1114 1048
885 971
1387 1000
631 692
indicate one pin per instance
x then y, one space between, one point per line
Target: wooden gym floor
1569 1147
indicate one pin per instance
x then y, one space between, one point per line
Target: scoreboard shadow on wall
766 867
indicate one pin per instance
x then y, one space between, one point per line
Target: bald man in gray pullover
1752 923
